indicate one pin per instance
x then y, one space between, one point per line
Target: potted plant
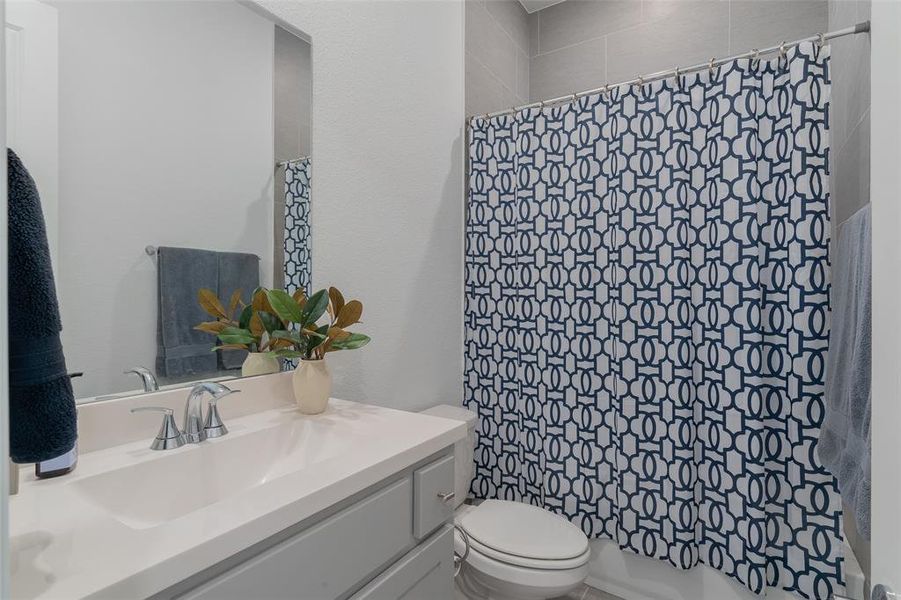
310 341
252 329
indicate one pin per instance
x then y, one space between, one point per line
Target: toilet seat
529 563
524 536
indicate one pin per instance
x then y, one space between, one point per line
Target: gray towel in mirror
182 350
237 271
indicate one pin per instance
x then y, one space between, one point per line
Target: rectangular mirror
179 161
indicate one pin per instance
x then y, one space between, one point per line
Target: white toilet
516 551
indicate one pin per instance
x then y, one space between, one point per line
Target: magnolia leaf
291 336
300 297
234 335
314 333
260 301
350 314
314 308
244 319
288 354
337 301
229 347
285 307
336 333
256 325
212 326
210 303
270 321
351 342
236 339
233 303
320 337
280 343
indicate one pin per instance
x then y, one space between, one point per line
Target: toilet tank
463 450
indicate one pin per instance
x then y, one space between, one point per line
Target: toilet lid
523 530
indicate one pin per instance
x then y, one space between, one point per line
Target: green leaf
271 323
291 336
314 308
234 335
351 342
285 306
246 314
287 354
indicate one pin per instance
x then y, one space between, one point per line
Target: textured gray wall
583 44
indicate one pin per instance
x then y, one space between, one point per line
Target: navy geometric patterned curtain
647 317
298 242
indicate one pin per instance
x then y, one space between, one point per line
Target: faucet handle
169 436
213 426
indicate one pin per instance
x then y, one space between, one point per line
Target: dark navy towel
41 402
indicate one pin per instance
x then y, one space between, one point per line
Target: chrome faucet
147 378
194 429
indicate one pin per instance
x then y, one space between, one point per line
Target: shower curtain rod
822 38
282 163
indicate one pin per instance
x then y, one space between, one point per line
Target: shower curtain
647 317
298 257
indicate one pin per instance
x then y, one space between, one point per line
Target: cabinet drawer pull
446 497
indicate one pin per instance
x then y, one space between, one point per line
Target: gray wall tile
513 18
852 180
484 92
756 24
534 46
487 41
522 77
576 21
568 70
695 32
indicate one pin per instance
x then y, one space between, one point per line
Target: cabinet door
425 573
429 483
327 560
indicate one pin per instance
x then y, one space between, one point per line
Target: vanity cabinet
391 541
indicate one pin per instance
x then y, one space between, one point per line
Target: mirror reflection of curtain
298 245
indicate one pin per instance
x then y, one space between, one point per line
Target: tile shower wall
850 128
583 44
497 55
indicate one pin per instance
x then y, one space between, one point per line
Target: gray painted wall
850 143
293 105
583 44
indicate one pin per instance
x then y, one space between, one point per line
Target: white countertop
63 545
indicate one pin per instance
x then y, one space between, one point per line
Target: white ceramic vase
259 363
312 383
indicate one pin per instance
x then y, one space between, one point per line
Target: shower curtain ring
677 76
755 58
575 97
821 41
711 65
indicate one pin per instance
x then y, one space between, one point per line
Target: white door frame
4 372
885 195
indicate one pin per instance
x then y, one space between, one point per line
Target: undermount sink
179 482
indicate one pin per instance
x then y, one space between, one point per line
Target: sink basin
181 481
